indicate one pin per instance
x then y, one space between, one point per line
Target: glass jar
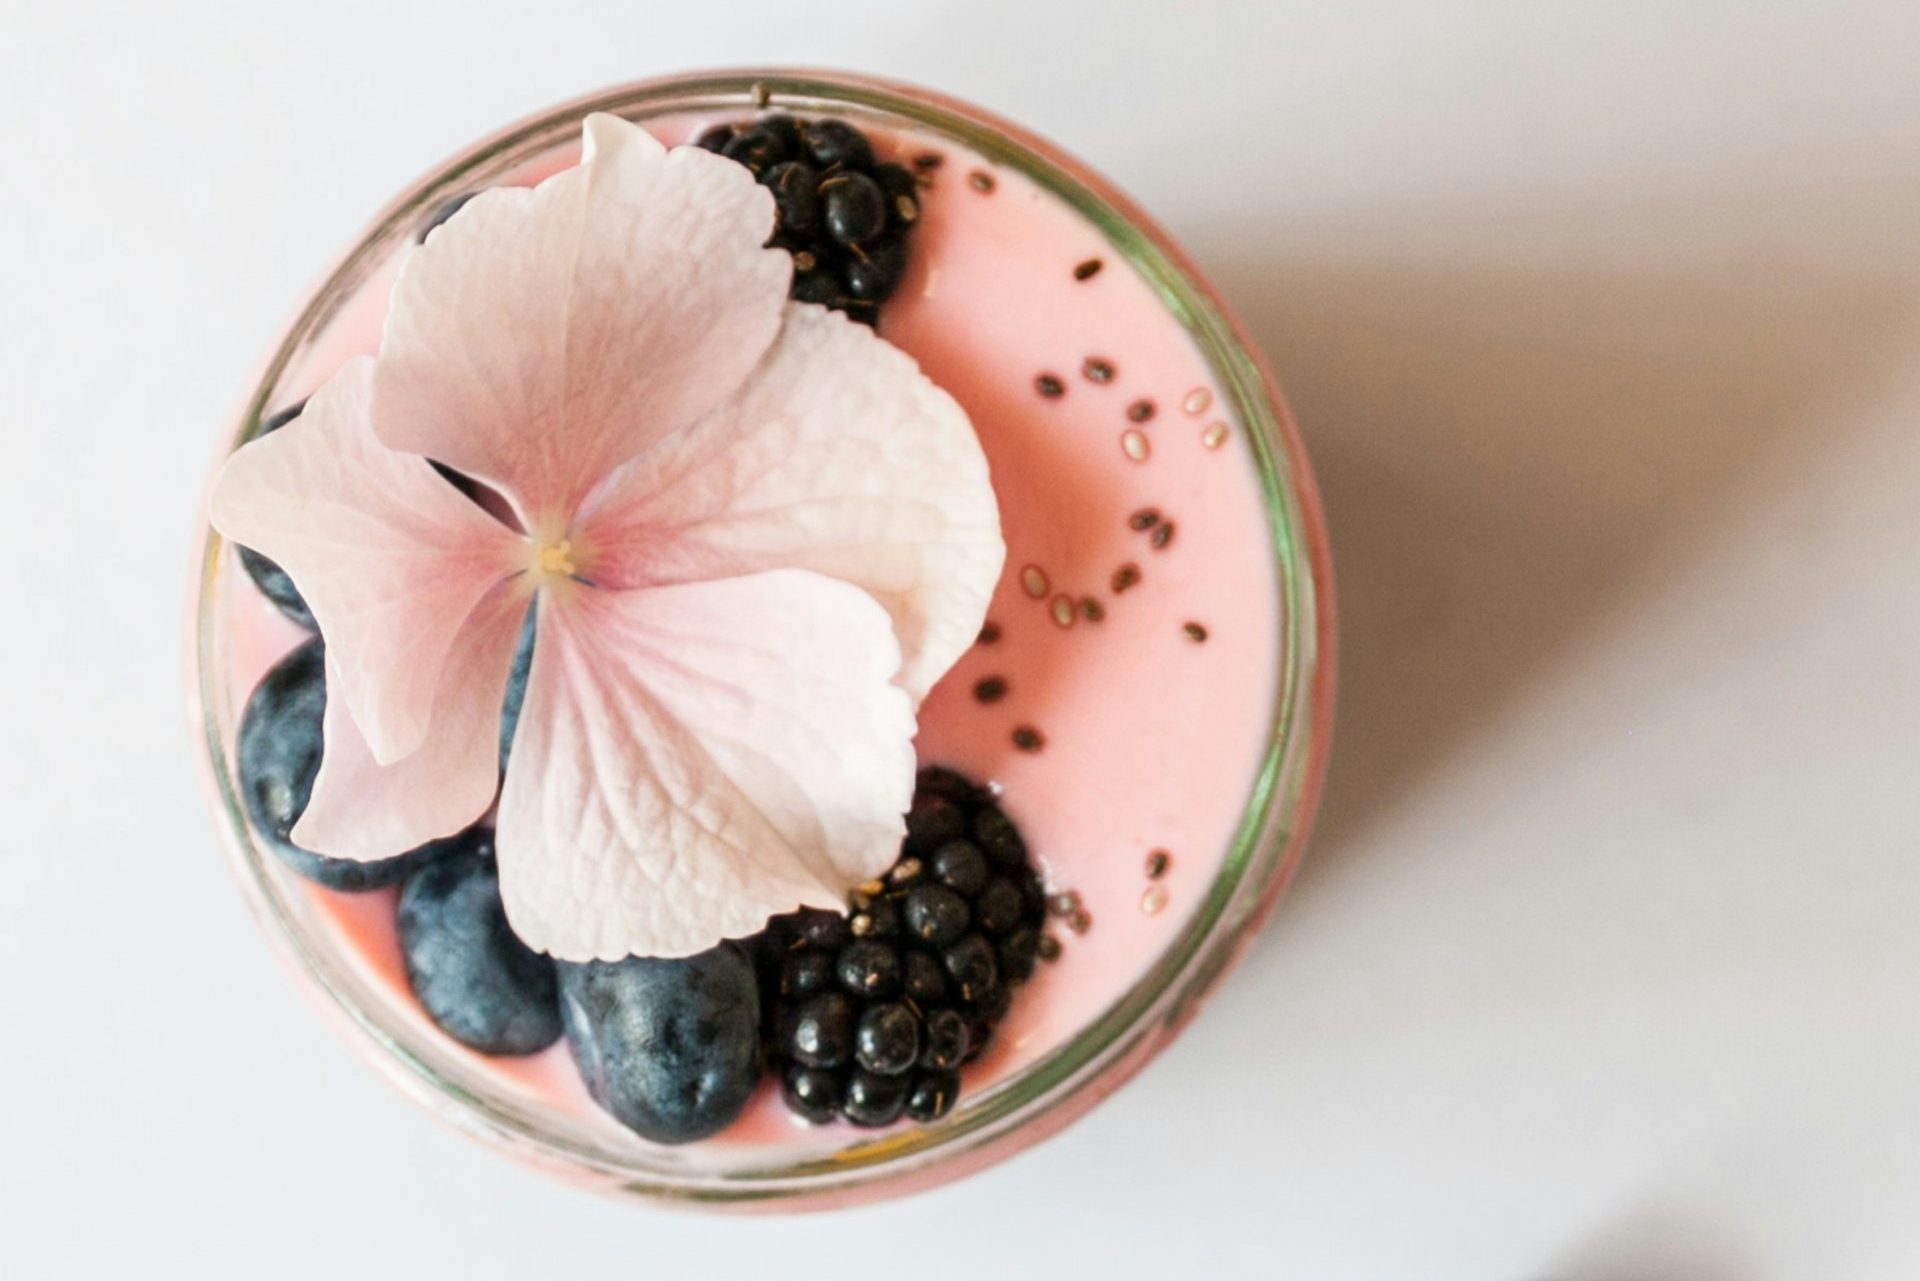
1040 1097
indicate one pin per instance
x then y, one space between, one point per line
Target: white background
1602 324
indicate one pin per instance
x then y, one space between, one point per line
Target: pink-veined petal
361 809
389 556
693 759
839 456
545 336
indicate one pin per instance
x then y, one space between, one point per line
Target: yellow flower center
556 560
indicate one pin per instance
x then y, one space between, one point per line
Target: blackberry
869 1014
873 1100
932 1095
841 213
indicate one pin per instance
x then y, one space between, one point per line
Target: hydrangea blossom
753 533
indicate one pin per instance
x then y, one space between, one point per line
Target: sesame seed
861 925
995 788
1135 445
905 870
1195 633
1064 903
1063 610
990 633
1124 577
1088 269
1049 948
1092 610
1033 580
907 207
981 181
990 689
1050 386
1197 400
1154 900
1081 921
1214 436
1162 535
804 261
873 889
1158 861
1028 739
1097 370
1144 519
1140 411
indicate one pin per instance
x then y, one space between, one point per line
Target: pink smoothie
1139 665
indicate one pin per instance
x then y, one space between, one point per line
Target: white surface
1603 328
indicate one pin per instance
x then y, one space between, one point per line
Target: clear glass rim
1056 1089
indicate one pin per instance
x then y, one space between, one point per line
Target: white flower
754 533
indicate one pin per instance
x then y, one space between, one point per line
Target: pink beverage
1151 670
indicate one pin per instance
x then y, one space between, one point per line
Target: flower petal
361 809
694 759
838 456
390 557
545 336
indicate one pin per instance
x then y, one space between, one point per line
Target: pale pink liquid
1152 739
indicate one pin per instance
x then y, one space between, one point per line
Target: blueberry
936 915
822 1035
835 142
856 212
970 964
996 835
813 1093
757 147
946 1040
714 139
1017 953
440 216
887 1040
875 277
933 822
932 1095
869 968
278 754
926 982
998 907
962 867
279 419
796 196
807 972
517 686
273 581
669 1047
874 1101
481 985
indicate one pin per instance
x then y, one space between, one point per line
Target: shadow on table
1511 459
1648 1243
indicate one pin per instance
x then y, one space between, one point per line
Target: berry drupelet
841 213
869 1014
